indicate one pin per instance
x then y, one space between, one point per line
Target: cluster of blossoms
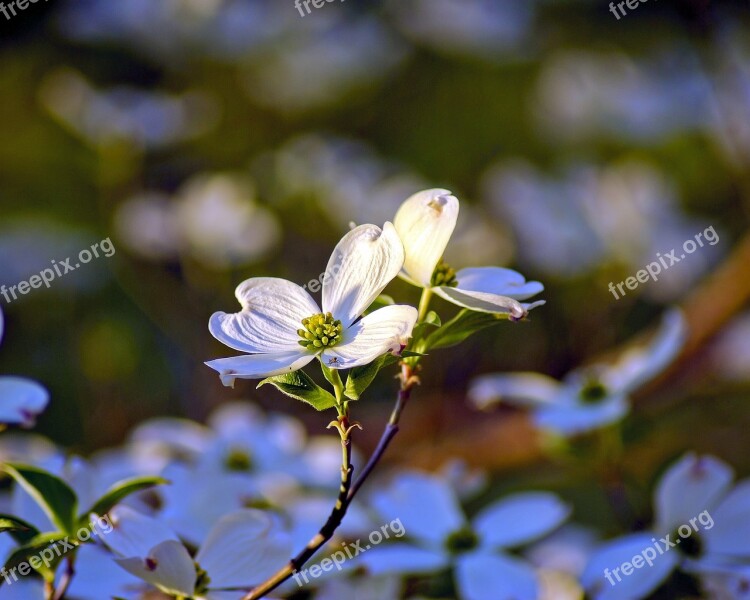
214 512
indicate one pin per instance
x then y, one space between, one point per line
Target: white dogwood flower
425 223
240 551
588 398
282 329
21 399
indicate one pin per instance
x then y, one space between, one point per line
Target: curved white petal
403 559
135 534
641 364
520 519
385 330
362 264
603 578
426 505
570 420
498 281
519 389
98 576
272 312
722 579
484 302
168 566
726 529
21 400
242 550
425 223
480 576
690 486
259 366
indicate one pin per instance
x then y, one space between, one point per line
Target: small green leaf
51 493
118 492
360 378
33 548
410 354
460 327
20 530
431 320
299 386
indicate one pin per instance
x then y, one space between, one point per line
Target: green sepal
460 327
52 494
299 386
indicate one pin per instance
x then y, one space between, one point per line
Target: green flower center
321 331
238 460
462 540
202 580
592 392
444 275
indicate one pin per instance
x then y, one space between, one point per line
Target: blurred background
215 140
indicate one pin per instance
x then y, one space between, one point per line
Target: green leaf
360 378
51 493
299 386
460 327
20 530
118 492
410 354
431 320
34 547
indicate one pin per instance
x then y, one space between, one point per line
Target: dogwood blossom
695 493
282 329
440 536
587 398
241 550
21 399
425 223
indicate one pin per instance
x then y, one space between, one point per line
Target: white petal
242 550
603 578
385 330
98 576
692 485
426 505
480 576
362 264
259 366
581 418
483 302
425 223
498 281
520 519
727 527
135 534
519 389
639 365
272 312
722 579
403 559
21 400
168 566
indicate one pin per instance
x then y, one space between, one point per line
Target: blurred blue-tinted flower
440 536
588 398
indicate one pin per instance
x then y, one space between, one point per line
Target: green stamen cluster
238 460
462 540
202 580
593 391
321 331
444 275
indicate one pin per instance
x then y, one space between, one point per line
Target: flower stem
347 491
424 303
